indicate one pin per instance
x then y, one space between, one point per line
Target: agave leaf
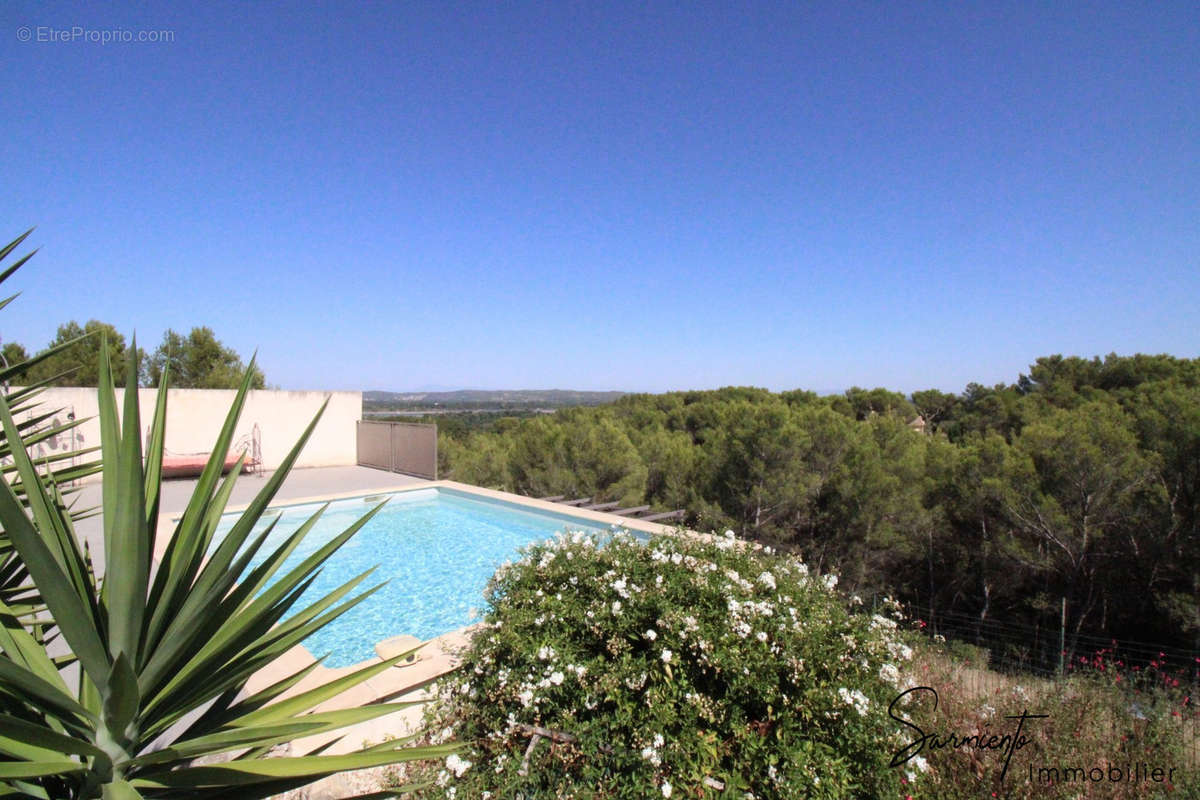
219 712
44 510
27 733
122 699
235 773
177 573
53 571
265 645
193 605
127 578
8 248
37 769
181 563
110 450
36 437
120 790
265 734
25 651
154 457
21 684
16 370
313 697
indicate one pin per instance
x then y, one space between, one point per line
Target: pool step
397 645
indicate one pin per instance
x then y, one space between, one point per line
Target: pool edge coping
168 520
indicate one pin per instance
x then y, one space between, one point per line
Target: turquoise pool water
436 548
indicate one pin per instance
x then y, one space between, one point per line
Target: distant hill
541 398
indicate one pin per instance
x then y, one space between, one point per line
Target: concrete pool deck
301 483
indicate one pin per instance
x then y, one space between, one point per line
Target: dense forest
1079 481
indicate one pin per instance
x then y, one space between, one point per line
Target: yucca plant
35 429
155 707
36 425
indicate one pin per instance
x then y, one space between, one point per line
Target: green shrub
674 667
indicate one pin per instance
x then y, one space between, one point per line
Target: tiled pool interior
436 548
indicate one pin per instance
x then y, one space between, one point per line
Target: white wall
195 416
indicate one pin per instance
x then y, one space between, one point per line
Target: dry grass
1100 722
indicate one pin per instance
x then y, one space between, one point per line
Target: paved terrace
301 483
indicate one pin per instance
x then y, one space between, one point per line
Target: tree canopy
79 365
199 361
1081 480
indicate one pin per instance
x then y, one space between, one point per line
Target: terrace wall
195 416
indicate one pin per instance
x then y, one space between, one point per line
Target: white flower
761 636
666 788
556 678
879 622
767 580
666 656
457 765
545 653
616 607
859 701
920 763
830 580
651 634
889 673
659 741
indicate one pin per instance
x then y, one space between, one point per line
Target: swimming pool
436 548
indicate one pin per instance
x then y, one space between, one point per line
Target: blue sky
612 196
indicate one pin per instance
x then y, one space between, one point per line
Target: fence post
391 447
1062 638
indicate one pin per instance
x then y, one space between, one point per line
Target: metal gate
407 447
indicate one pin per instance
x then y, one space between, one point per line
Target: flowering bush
674 667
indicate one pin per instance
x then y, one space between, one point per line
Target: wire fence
1051 651
995 657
